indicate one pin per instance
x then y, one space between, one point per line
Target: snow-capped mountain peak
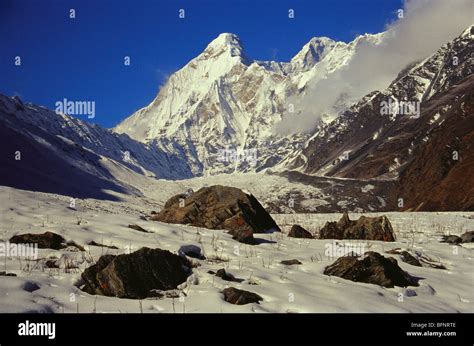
225 46
223 100
225 40
312 52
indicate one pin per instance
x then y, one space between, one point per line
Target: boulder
47 240
30 286
405 256
240 297
451 239
135 275
192 251
297 231
219 207
371 268
467 237
408 258
366 228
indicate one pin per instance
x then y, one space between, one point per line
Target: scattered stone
47 240
135 275
451 239
372 268
467 237
221 273
192 251
299 232
138 228
30 286
408 258
219 207
7 274
405 256
290 262
410 293
51 263
367 228
240 297
93 243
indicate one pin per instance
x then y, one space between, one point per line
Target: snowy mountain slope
224 100
446 159
105 222
366 142
64 154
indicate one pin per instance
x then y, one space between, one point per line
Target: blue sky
82 58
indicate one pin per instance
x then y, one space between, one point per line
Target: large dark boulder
219 207
372 268
240 297
135 275
47 240
366 228
297 231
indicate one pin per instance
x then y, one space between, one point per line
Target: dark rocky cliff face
413 151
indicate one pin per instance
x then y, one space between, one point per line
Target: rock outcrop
219 207
297 231
366 228
372 268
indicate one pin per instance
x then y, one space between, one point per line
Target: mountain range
219 114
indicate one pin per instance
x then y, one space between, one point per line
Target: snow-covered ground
297 288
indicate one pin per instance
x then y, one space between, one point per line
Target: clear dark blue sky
82 58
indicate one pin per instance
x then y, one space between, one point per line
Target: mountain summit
222 100
222 104
312 52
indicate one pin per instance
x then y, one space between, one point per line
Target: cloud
426 25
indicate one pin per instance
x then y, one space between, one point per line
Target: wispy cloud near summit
424 26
